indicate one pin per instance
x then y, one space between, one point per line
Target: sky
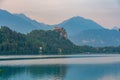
104 12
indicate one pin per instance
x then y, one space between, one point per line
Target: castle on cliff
62 31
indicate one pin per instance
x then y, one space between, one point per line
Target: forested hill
51 42
43 42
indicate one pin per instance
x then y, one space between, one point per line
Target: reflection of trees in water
7 72
56 71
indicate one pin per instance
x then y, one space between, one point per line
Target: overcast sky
104 12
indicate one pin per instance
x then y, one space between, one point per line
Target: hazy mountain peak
74 19
76 24
77 17
20 22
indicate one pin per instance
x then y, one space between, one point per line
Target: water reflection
61 72
42 72
93 72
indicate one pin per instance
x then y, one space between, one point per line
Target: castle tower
62 31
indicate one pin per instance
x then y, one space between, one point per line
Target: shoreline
84 59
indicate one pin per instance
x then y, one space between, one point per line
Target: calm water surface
110 71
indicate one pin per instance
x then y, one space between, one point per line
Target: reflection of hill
55 71
7 72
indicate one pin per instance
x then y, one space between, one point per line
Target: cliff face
62 31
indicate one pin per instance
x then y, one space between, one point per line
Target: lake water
80 68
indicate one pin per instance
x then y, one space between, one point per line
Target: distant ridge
81 31
34 22
76 24
20 22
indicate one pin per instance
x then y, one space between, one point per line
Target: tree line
43 42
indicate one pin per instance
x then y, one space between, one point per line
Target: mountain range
20 22
81 31
77 24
